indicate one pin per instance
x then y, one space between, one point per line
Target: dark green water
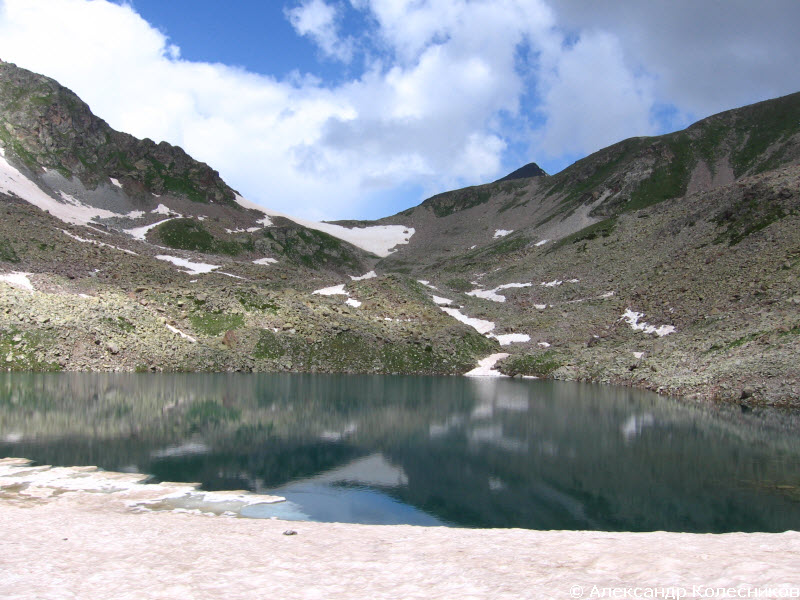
423 450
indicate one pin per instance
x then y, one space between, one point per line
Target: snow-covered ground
377 239
192 268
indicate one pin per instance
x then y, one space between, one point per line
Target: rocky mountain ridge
668 262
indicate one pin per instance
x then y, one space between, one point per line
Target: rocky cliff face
47 126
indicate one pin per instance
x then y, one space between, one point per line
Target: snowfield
19 280
377 239
486 368
71 211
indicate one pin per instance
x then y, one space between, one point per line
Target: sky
357 109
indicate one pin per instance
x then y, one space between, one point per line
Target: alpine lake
452 451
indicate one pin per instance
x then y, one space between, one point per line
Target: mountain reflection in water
422 450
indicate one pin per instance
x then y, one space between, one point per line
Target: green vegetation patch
764 125
669 180
18 351
213 324
751 214
311 248
458 200
120 324
188 234
7 252
537 365
597 230
252 300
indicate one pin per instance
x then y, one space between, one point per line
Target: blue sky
362 108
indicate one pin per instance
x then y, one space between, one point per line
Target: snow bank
265 261
352 302
632 318
19 280
441 301
478 325
502 233
73 211
377 239
192 268
541 243
162 209
486 368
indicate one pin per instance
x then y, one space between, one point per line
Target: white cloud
316 19
593 99
437 105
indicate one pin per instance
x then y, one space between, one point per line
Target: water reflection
423 450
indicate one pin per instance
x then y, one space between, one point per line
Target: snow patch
541 243
478 325
19 280
543 345
353 302
135 214
180 333
192 268
554 283
512 338
140 233
115 182
370 275
486 368
632 318
427 283
377 239
331 291
162 209
493 295
74 212
441 301
502 233
96 243
265 261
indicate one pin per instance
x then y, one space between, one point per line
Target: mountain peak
529 170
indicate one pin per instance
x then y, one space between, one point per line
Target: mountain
666 262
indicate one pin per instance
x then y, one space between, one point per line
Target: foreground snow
18 279
90 545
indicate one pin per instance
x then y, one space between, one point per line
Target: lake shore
78 543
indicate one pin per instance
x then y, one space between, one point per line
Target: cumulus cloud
443 89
